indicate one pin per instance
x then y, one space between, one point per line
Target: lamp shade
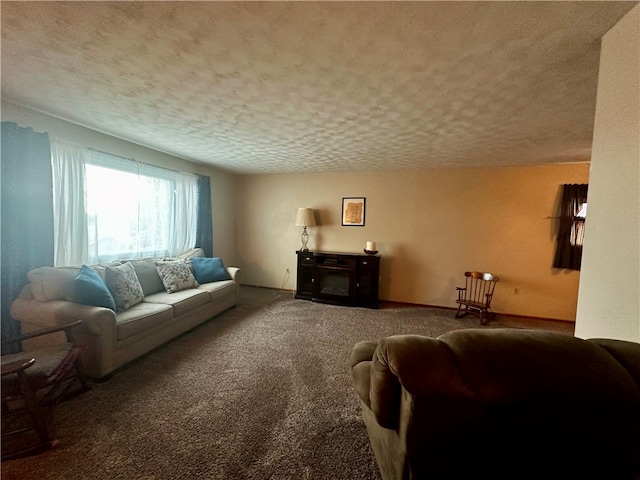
305 217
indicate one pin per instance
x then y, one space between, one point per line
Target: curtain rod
135 160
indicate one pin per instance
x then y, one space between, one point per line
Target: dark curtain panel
571 232
204 231
27 214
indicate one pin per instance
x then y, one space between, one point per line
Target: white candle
371 246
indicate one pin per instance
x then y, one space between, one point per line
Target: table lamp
304 219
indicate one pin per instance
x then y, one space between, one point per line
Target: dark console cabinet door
305 286
348 279
367 277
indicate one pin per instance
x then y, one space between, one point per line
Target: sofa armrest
235 273
360 363
421 366
96 320
362 352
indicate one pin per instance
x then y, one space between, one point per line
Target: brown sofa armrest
360 362
418 364
362 352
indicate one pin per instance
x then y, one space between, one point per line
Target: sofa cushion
182 301
53 283
209 269
148 276
218 290
140 318
123 285
176 276
90 289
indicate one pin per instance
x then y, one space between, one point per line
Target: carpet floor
262 391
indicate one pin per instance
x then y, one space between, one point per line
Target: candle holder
370 252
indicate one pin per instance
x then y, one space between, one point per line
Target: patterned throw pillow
124 285
176 276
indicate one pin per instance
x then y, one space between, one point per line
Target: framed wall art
353 211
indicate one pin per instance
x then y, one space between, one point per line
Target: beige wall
429 226
609 298
222 184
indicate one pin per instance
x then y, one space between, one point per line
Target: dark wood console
349 279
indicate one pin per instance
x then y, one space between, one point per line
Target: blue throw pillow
90 289
209 269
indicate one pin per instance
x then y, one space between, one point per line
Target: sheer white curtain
182 233
114 208
69 206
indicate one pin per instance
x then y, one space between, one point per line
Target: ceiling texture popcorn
292 87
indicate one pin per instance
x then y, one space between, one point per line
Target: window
572 223
582 213
127 214
577 226
128 210
133 209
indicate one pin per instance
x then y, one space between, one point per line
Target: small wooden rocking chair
475 297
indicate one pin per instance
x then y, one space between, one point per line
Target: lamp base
305 240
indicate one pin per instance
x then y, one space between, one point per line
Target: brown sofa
501 403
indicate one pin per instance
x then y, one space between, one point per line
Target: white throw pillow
176 276
123 284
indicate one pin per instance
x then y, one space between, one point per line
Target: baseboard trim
392 303
515 315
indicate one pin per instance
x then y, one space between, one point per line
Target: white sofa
116 338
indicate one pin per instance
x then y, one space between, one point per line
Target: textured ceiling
277 87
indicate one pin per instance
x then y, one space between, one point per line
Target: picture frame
353 211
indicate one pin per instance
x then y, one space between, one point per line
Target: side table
14 384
